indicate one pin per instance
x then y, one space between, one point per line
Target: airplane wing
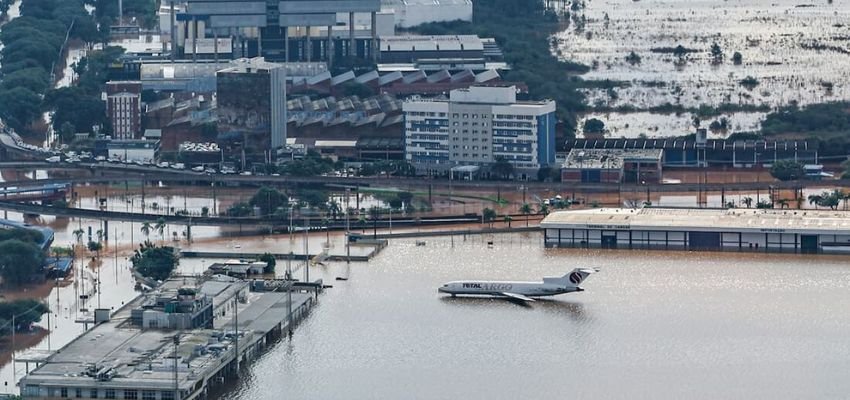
516 296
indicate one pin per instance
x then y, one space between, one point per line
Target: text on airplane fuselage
488 286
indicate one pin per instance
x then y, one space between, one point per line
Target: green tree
205 211
395 203
737 58
633 58
268 200
155 262
19 261
239 210
19 107
25 311
815 200
488 215
787 170
160 227
526 210
502 168
593 126
716 53
270 263
146 229
748 201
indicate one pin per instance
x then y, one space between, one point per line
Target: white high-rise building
478 126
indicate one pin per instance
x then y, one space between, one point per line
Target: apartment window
455 115
466 115
148 395
93 393
166 396
131 394
78 393
442 114
63 392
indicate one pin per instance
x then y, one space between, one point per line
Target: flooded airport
649 325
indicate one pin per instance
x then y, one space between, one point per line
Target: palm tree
99 235
748 201
78 234
334 209
508 220
146 230
160 227
526 210
815 200
544 209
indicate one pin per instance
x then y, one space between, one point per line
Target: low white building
737 229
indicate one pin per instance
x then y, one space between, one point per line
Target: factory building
760 230
478 126
264 28
612 166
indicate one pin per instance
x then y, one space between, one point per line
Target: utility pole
176 380
236 329
289 292
307 250
347 229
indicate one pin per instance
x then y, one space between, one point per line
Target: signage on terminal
595 226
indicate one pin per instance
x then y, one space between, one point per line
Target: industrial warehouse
786 231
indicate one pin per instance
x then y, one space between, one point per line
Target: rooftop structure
612 165
774 230
118 359
736 153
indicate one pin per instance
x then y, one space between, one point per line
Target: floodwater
797 50
649 325
651 125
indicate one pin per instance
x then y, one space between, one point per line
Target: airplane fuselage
498 288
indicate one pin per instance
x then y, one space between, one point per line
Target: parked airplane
523 291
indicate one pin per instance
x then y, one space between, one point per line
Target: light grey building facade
263 27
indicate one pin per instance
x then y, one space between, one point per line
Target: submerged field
791 51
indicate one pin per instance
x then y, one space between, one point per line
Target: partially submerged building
612 166
170 344
764 230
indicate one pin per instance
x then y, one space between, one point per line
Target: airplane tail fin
577 276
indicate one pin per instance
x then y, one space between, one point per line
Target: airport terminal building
774 230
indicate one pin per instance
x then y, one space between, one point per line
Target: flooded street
659 324
796 51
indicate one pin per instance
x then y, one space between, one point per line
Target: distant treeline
34 48
826 123
26 311
522 29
